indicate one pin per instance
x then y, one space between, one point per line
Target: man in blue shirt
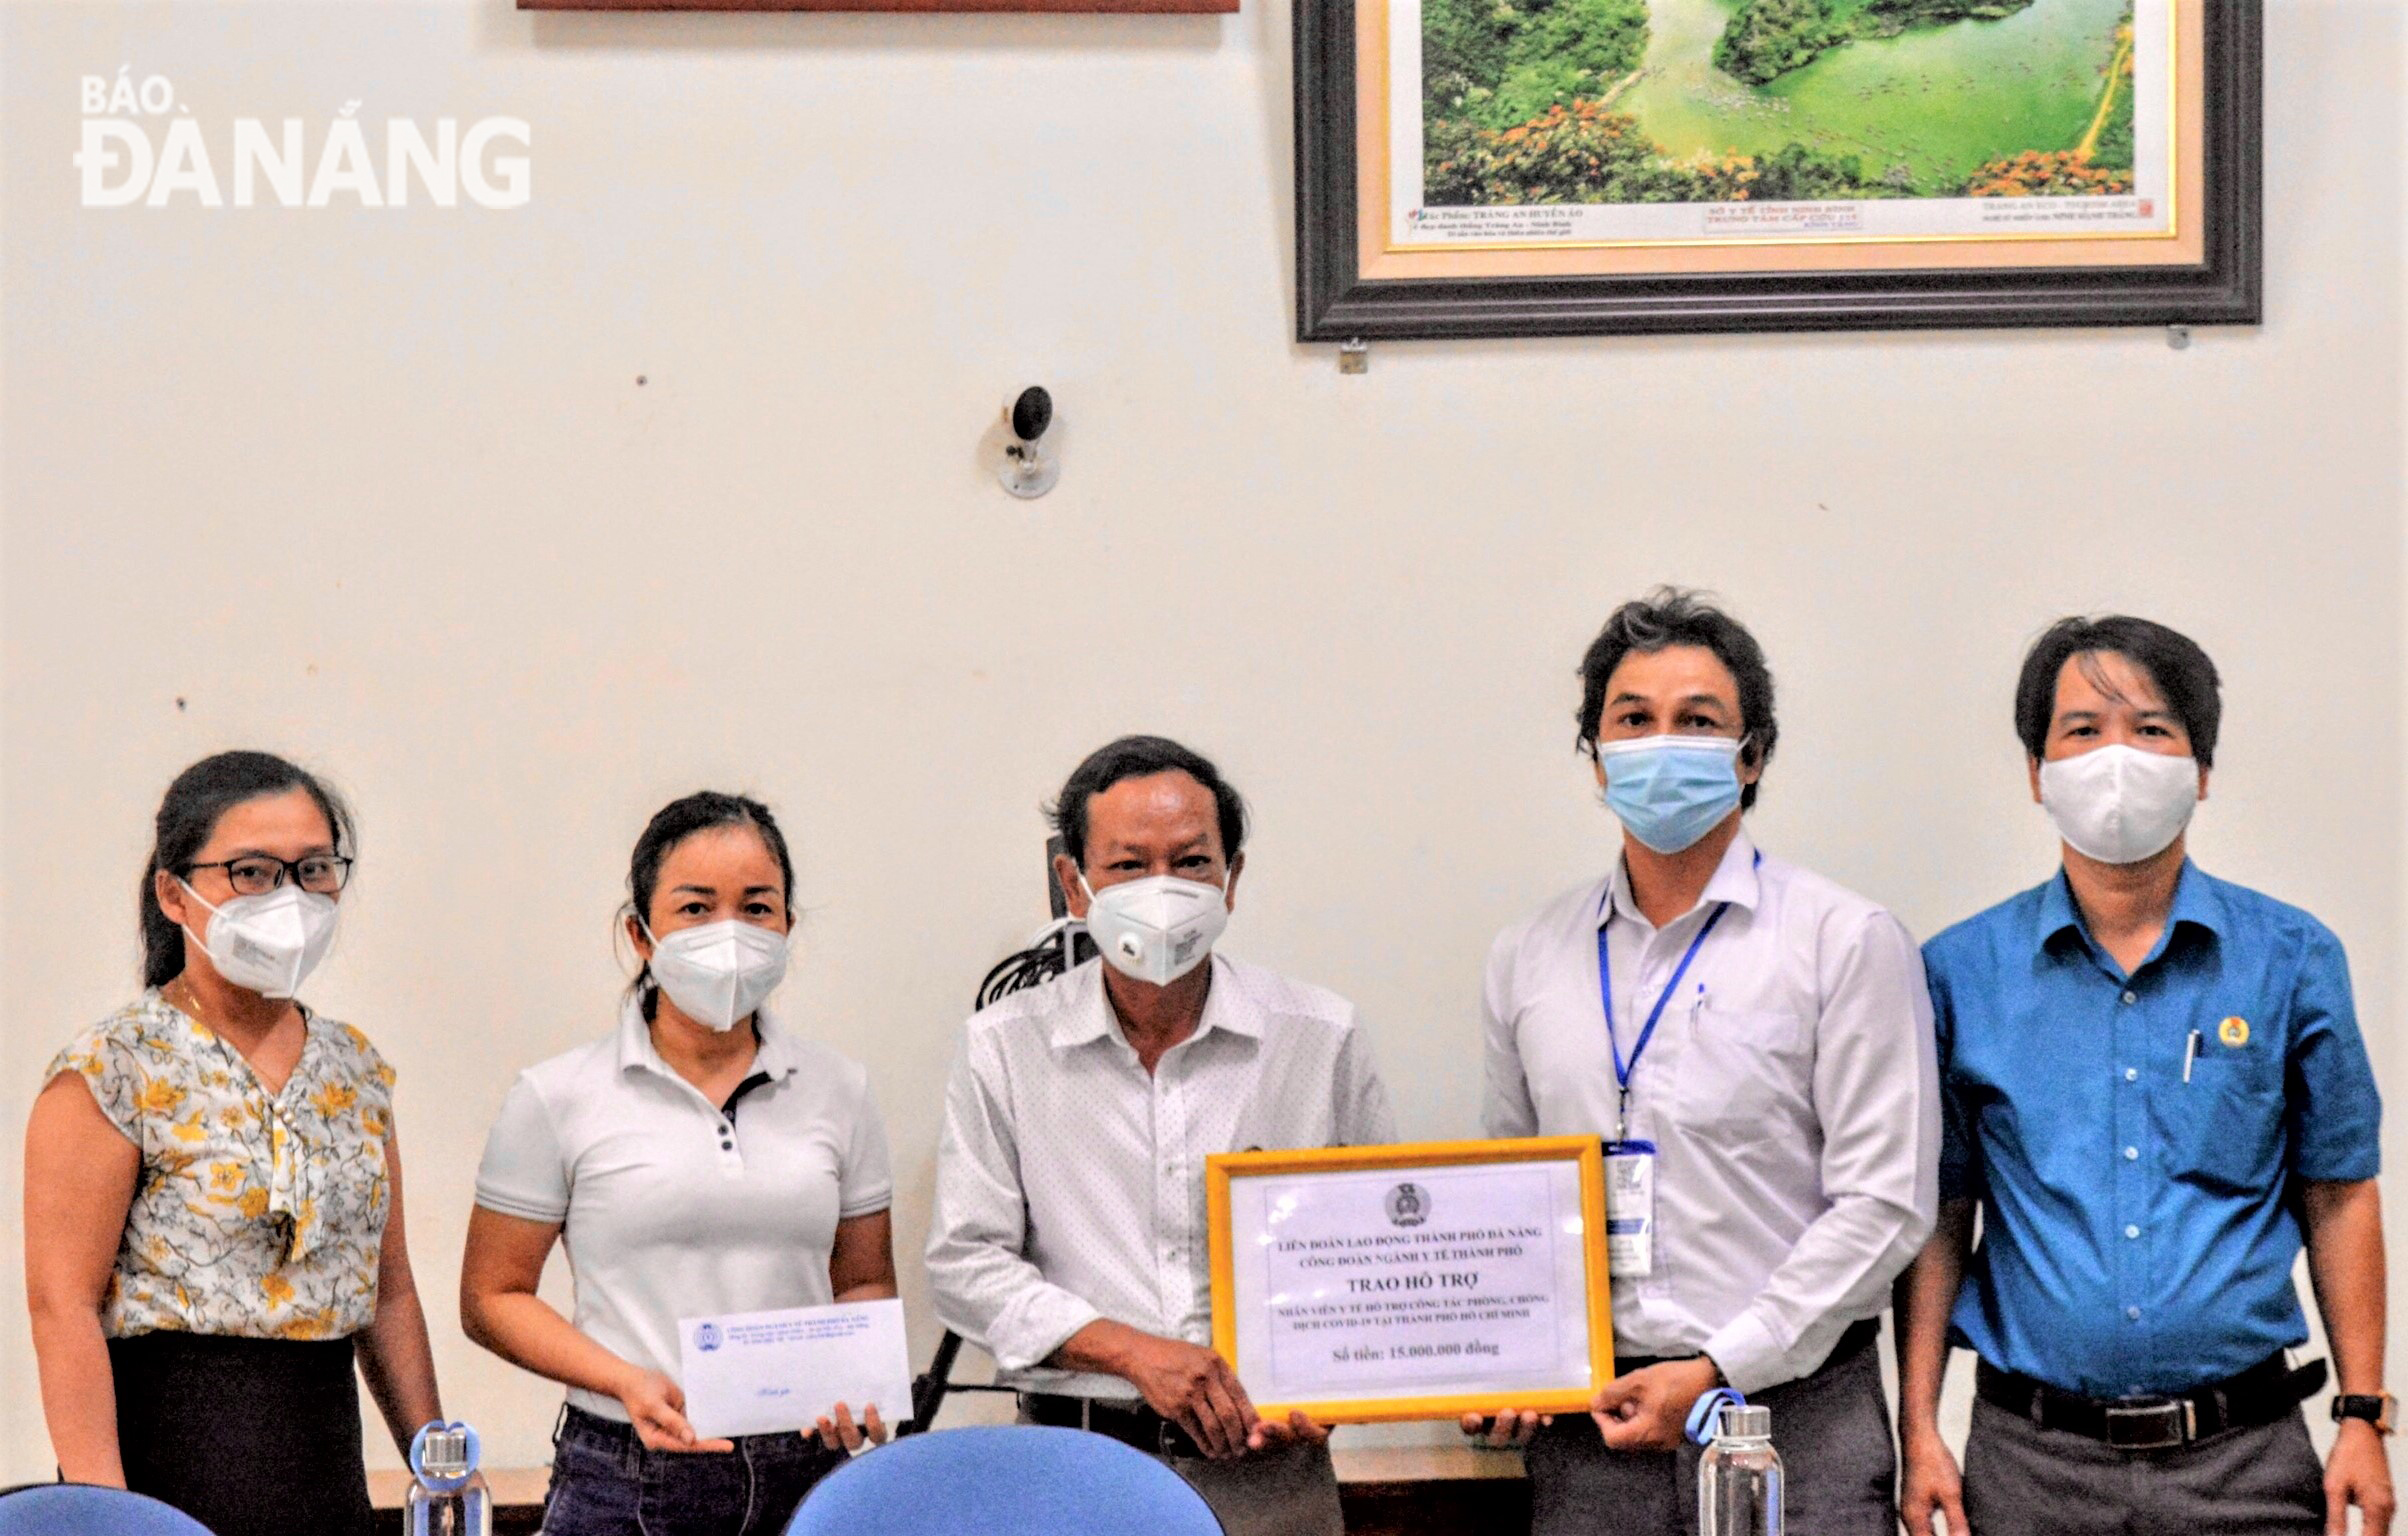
2153 1087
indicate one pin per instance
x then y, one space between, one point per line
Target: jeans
605 1483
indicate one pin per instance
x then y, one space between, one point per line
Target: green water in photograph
1941 100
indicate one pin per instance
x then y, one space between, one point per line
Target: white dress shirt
1070 1185
1791 1089
675 1207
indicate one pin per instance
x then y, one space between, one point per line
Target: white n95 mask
2119 804
1156 929
719 973
268 943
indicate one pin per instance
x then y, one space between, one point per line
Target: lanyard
1605 988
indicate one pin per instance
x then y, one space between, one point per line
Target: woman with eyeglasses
701 1159
213 1225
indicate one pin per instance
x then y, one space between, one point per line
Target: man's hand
1929 1481
1508 1431
2358 1472
1271 1435
1191 1386
1648 1409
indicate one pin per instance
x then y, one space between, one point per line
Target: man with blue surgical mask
1754 1045
1069 1236
2156 1095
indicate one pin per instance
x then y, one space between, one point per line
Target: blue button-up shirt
2137 1228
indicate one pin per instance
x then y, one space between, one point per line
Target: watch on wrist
2373 1407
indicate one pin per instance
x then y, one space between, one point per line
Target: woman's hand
838 1432
657 1407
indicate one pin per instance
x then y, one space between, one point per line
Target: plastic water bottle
1739 1477
449 1497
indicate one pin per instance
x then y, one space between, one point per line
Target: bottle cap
1744 1421
444 1455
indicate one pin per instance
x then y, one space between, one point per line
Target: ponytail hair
200 796
673 824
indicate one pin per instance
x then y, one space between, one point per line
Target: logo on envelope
706 1338
1408 1205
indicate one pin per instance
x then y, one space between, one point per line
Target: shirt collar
1089 1016
1738 879
2196 905
776 1054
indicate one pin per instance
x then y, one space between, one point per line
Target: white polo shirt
674 1209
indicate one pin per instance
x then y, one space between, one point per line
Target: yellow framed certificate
1368 1284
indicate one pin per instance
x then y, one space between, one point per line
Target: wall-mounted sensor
1028 470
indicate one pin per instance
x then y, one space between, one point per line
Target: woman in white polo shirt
700 1160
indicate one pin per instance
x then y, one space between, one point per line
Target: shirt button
2131 1231
2131 1074
2132 1313
2131 998
2131 1154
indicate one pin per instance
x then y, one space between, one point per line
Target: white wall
380 489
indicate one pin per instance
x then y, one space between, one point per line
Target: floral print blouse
255 1215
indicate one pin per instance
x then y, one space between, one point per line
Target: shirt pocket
1744 1076
2223 1130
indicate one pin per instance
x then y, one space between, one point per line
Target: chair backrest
1004 1480
75 1509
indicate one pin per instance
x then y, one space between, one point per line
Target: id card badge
1629 1208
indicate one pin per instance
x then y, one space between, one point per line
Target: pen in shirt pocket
2190 1054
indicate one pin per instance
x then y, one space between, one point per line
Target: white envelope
761 1373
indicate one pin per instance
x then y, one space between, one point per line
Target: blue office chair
1004 1480
76 1509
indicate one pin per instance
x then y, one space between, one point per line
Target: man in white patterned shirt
1069 1235
1755 1045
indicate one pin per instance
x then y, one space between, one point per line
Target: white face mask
2119 804
268 943
1156 929
719 973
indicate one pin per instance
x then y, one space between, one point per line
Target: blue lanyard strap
1605 986
1605 989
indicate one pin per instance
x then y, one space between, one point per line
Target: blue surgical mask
1670 790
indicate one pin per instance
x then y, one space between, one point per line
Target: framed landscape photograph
1553 167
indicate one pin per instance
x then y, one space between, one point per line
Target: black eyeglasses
256 874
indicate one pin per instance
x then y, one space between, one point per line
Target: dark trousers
1838 1466
2022 1480
251 1437
605 1483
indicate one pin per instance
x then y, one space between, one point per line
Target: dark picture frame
1336 302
